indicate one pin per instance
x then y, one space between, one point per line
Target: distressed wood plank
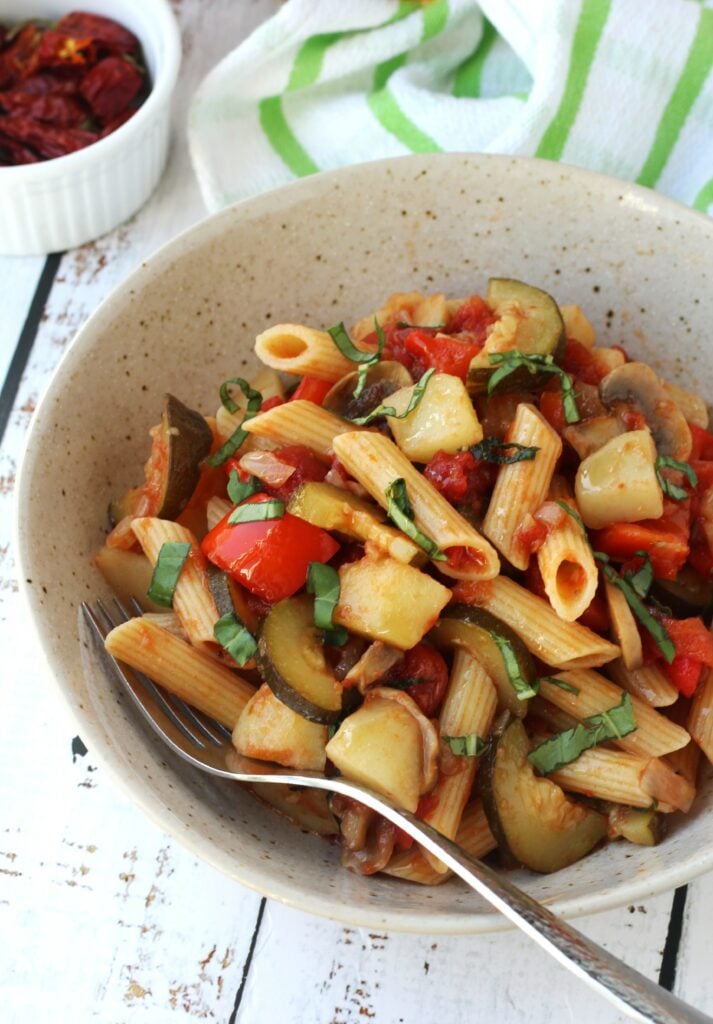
340 975
19 279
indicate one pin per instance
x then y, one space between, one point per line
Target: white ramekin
58 204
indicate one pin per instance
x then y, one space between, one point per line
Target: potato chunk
383 599
270 731
617 483
444 419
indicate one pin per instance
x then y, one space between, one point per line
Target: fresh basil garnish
658 633
405 682
257 511
509 362
400 513
323 582
388 410
673 490
364 367
567 746
573 514
235 638
562 683
466 746
170 561
239 491
491 449
238 436
520 685
642 579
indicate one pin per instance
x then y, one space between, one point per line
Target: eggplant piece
180 443
535 824
688 595
529 321
290 657
229 597
382 379
463 625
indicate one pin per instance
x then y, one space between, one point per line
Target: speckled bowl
327 248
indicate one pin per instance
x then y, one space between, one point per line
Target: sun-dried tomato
14 153
66 52
15 59
63 111
110 87
46 139
104 32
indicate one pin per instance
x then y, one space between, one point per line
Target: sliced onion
267 466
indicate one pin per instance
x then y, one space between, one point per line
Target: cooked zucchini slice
529 321
330 507
474 629
535 824
645 827
180 443
229 597
291 660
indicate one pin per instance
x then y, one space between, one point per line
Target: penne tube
376 463
294 348
654 735
624 627
566 562
474 836
215 510
560 644
300 422
181 669
606 775
522 487
687 760
671 790
468 708
192 600
700 719
648 682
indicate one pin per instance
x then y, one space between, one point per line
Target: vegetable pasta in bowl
449 542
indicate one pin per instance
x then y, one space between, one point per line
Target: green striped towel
620 86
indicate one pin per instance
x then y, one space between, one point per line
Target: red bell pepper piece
552 408
694 648
271 557
312 389
445 354
667 548
578 361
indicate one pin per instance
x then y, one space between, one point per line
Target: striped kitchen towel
620 86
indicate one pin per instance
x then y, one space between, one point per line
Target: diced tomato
704 472
473 318
531 534
702 443
694 648
312 389
233 465
596 616
460 477
667 547
633 419
684 673
270 557
579 362
701 556
446 354
307 468
552 409
426 665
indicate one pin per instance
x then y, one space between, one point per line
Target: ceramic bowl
59 204
327 248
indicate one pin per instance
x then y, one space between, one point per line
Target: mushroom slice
636 384
382 379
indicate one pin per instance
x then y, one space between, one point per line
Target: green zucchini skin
188 440
543 333
469 627
536 825
291 661
643 826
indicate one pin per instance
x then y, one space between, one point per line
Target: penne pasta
216 509
654 735
566 562
624 627
300 422
560 644
376 463
293 348
181 669
522 486
649 682
622 778
700 719
468 708
192 599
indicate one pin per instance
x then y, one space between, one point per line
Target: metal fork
206 744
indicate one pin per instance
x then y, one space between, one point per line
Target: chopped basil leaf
376 356
566 507
331 730
235 638
170 561
254 397
509 362
491 449
229 448
658 633
466 746
567 746
405 683
563 685
257 511
673 490
346 346
323 582
642 579
520 685
239 491
419 327
400 513
388 410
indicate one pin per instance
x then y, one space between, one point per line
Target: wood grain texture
106 918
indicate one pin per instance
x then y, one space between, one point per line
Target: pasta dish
458 552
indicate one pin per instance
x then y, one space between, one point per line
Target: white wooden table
104 918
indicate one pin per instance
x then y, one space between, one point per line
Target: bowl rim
161 89
659 880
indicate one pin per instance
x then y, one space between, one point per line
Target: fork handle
632 993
